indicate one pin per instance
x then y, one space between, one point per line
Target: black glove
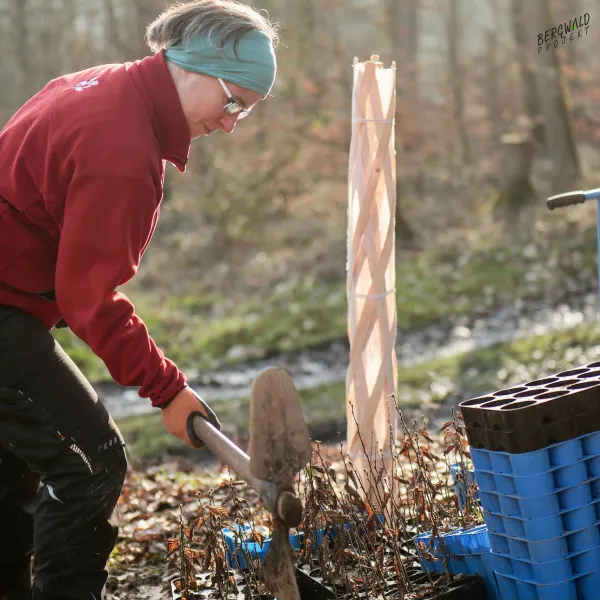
212 419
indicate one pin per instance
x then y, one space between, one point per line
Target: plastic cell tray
460 541
547 550
582 563
544 401
468 552
585 587
541 461
541 507
542 530
531 486
240 549
309 588
539 530
542 407
507 408
533 437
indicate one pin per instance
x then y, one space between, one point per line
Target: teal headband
253 68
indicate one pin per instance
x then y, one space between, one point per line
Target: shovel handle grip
284 505
566 199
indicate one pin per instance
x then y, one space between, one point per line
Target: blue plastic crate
583 587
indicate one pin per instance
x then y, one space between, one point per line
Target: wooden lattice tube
371 279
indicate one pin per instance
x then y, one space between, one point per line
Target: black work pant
54 431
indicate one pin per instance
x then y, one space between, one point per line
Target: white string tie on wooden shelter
356 120
382 295
355 455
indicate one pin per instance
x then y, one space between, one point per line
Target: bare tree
139 14
552 93
572 58
525 61
402 27
402 23
493 74
456 77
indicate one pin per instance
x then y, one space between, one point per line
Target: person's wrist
168 402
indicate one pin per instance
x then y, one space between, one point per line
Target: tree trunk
305 30
524 57
516 191
402 28
141 13
573 60
402 19
413 48
493 89
552 93
457 80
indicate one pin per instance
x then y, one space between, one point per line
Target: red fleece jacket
81 182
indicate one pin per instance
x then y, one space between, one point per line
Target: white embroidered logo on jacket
86 83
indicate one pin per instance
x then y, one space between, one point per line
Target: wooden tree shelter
371 279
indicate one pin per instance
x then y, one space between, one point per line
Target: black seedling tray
462 587
545 401
204 580
531 436
309 587
469 587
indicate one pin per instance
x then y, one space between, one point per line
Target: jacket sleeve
108 220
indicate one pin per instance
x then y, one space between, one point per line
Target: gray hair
182 21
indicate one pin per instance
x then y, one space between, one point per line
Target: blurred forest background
486 128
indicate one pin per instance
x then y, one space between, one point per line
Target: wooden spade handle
284 505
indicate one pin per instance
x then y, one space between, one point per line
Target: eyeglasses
232 107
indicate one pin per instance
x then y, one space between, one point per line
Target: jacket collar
152 76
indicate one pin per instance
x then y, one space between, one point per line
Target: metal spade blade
279 442
279 449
